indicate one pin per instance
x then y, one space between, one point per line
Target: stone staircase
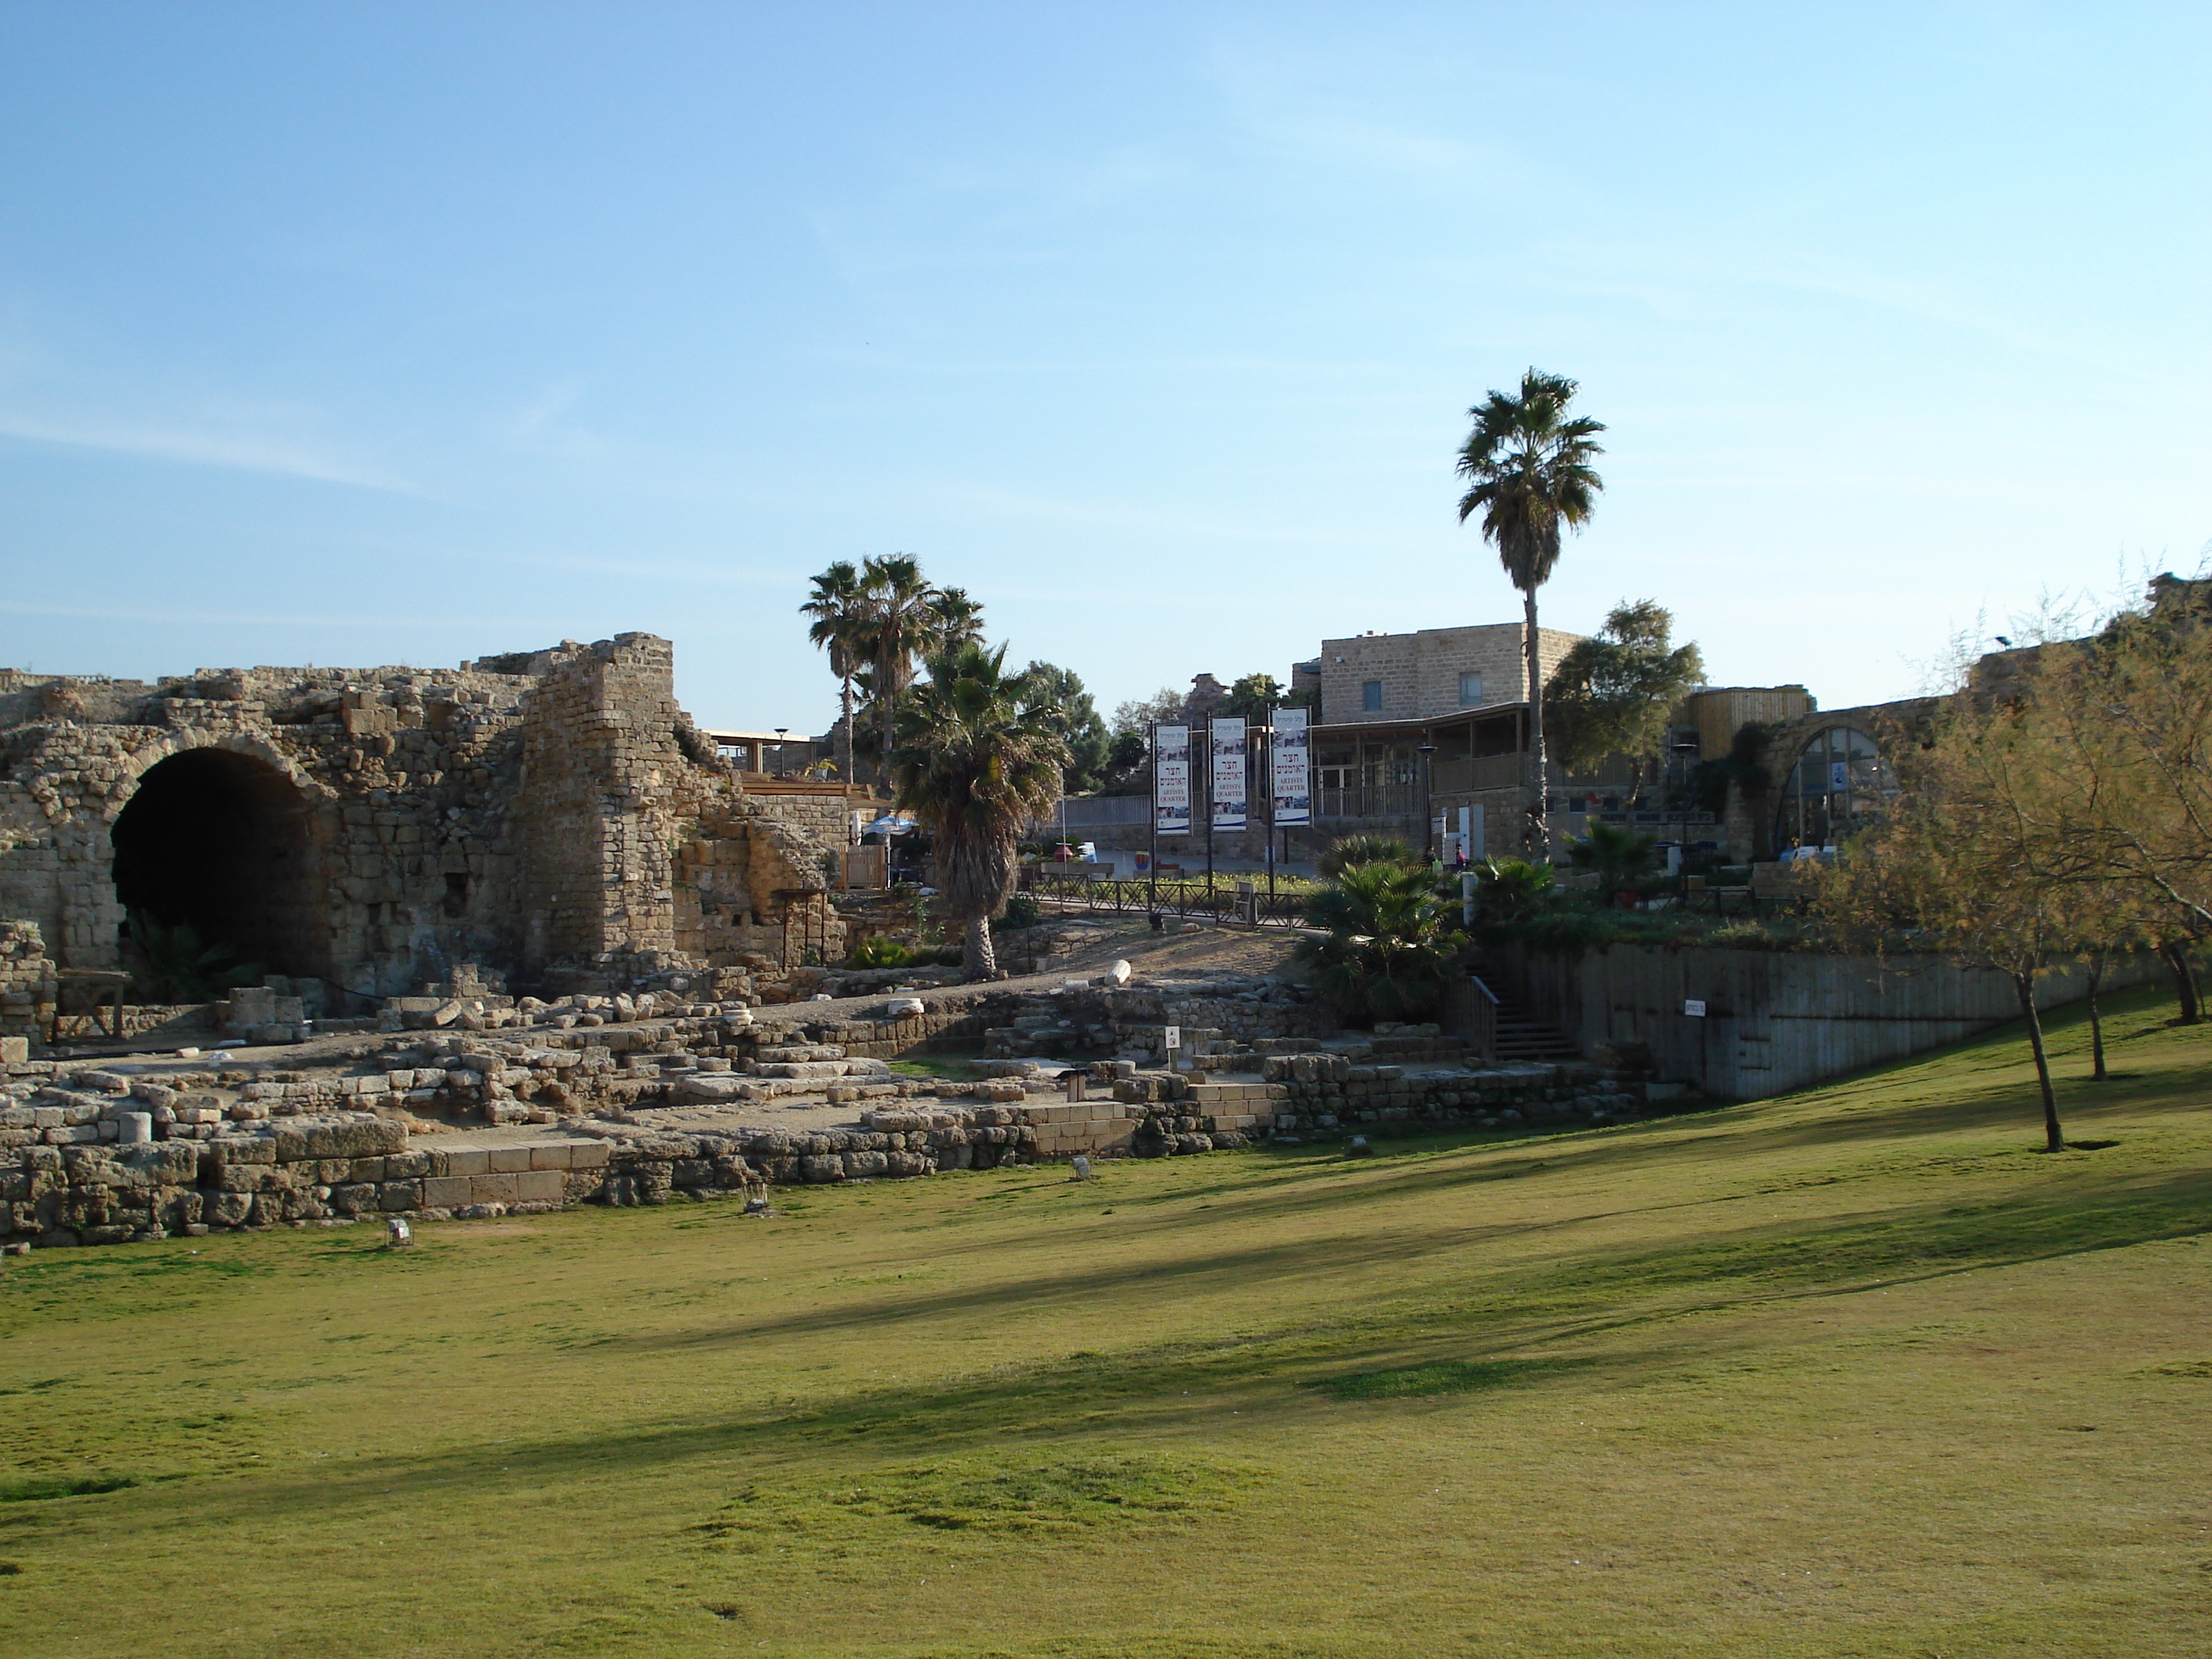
1524 1036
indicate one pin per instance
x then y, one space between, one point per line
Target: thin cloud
199 446
473 623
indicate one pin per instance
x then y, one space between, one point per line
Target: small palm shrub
878 950
1509 891
1619 856
1391 942
174 965
1347 851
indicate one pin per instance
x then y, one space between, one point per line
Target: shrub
1390 945
879 951
1348 851
1021 911
1619 856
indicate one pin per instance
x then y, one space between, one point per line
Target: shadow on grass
1514 1326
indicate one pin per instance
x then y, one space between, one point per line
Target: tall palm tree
976 762
900 625
1528 466
839 609
959 620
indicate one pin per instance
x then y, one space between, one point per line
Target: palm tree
1390 943
976 762
959 620
1529 469
899 625
838 607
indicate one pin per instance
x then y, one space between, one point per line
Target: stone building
550 817
1431 674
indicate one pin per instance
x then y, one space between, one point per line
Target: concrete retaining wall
1774 1020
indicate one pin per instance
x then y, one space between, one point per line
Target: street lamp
1683 747
778 768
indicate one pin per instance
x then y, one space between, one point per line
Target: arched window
1839 779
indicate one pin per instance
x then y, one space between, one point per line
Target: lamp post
778 768
1682 748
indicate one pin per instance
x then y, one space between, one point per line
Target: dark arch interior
220 841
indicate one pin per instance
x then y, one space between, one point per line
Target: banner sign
1171 779
1230 806
1294 782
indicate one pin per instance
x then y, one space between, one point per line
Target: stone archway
223 842
1835 776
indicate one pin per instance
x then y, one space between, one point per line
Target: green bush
1392 939
1619 856
879 951
1021 911
1347 851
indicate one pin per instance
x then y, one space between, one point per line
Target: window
1370 697
1470 690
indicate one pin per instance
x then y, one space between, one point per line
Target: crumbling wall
522 813
27 985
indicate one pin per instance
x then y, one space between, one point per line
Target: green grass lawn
1856 1372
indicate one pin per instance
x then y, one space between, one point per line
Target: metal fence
1237 904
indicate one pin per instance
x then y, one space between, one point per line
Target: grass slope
1855 1372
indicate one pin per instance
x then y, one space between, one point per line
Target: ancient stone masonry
26 987
362 832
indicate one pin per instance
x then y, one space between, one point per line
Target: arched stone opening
221 841
1837 780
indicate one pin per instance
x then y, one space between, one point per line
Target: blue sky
366 334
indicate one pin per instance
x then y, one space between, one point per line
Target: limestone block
447 1192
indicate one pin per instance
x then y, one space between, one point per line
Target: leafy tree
1390 943
1090 746
1125 758
837 606
1743 767
978 758
1163 708
1957 864
1251 697
2115 754
1528 466
1612 693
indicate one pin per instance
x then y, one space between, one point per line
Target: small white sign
1175 1037
1694 1009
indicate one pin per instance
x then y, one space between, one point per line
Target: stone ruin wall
547 817
103 1154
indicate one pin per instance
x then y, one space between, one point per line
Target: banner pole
1209 813
1271 799
1153 901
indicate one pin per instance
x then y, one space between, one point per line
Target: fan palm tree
838 607
976 762
1391 940
1528 467
899 625
959 620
